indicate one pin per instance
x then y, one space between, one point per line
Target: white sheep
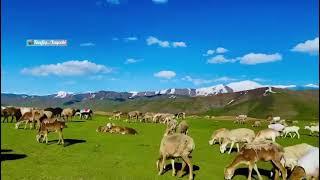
278 127
312 129
236 136
218 135
267 134
293 153
291 129
310 163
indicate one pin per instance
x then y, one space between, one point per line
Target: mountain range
246 97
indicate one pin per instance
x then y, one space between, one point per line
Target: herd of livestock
301 160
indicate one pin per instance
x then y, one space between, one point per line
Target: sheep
183 127
112 128
310 163
45 128
293 153
240 119
278 127
236 136
148 117
256 124
176 146
117 114
134 115
56 112
312 129
251 153
180 115
218 135
68 112
289 130
298 173
267 134
13 112
86 113
171 127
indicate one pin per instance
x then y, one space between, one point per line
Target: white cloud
219 59
160 1
209 52
153 40
221 50
258 58
198 81
165 74
309 46
87 44
68 68
260 79
116 2
312 85
132 60
130 39
179 44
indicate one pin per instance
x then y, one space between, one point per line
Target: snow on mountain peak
244 85
312 85
62 94
212 90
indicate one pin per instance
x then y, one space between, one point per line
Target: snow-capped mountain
213 90
63 94
244 85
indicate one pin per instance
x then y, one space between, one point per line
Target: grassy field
91 155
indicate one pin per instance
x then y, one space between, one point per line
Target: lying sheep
289 130
111 128
312 129
176 146
236 136
267 134
293 153
218 135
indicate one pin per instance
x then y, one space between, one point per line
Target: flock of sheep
301 159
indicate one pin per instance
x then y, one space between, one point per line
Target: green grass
110 156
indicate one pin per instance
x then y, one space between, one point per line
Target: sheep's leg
46 137
250 171
255 167
59 133
281 168
237 144
187 160
231 146
180 173
62 141
162 164
173 169
273 139
298 135
25 126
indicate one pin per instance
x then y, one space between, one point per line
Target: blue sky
135 45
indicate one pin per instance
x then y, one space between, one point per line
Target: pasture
88 154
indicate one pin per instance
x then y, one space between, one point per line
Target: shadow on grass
245 171
75 121
178 166
68 142
5 157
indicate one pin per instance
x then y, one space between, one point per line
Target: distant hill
258 102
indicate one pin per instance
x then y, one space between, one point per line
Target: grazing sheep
267 134
176 146
310 163
13 112
68 112
278 127
49 114
293 153
236 136
171 127
251 153
117 114
134 115
312 129
45 128
183 127
218 135
25 110
240 119
256 124
56 112
148 117
289 130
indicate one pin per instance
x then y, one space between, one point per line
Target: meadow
88 154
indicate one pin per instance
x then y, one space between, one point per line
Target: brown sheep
45 128
183 127
251 153
13 112
68 112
